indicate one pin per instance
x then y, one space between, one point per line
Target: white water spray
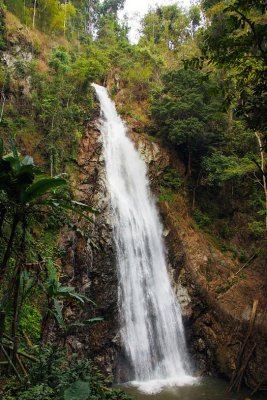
151 324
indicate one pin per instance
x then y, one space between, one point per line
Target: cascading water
151 324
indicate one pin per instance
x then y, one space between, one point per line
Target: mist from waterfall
151 324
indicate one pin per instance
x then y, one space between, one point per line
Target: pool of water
205 389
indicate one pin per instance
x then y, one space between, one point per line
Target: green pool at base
206 389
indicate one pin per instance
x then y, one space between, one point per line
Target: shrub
202 220
257 229
56 376
171 179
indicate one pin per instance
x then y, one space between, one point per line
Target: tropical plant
26 193
58 376
56 293
23 187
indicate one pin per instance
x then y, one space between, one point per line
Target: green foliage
225 231
202 220
171 179
2 29
62 103
90 67
22 182
220 168
58 377
257 229
111 6
60 60
165 26
166 195
188 112
235 39
30 322
38 392
25 193
195 18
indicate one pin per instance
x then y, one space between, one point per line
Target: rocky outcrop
90 260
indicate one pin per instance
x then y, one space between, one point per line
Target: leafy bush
60 60
38 392
171 179
166 195
257 229
58 377
30 321
202 220
225 231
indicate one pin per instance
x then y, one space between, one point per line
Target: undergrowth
57 376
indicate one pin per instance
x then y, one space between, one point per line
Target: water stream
151 325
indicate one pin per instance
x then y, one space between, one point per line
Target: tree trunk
51 162
2 325
195 190
16 314
34 14
44 327
65 17
264 178
3 106
2 218
10 244
3 97
17 300
189 162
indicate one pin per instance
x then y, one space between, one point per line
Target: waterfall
151 325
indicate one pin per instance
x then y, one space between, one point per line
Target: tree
111 7
195 18
165 26
236 39
188 113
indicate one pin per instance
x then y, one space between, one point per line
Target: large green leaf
24 177
69 291
79 390
14 162
84 206
85 322
69 207
40 188
58 314
54 203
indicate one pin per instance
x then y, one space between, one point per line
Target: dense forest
196 82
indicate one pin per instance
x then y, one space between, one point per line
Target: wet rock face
90 261
157 159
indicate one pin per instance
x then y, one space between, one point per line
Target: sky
136 9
